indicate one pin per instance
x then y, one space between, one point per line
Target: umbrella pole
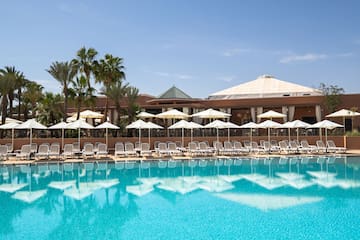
12 138
62 138
250 134
30 136
79 138
320 129
269 134
182 137
217 134
191 135
139 135
289 134
297 134
228 134
107 140
149 135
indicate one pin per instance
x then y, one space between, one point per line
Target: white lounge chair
162 149
3 152
321 147
119 149
25 152
172 148
145 149
43 151
68 151
331 147
101 150
54 150
129 149
88 150
307 148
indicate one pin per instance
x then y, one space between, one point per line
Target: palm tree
116 92
20 82
50 108
132 93
64 73
81 93
84 63
7 83
32 95
109 71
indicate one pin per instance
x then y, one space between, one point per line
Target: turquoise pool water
236 198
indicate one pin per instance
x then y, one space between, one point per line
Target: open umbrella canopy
31 124
271 114
151 125
172 114
60 125
217 124
185 124
10 125
296 124
249 125
89 114
11 120
138 124
343 113
269 124
79 124
325 124
145 115
211 114
107 125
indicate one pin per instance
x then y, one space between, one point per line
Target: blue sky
200 46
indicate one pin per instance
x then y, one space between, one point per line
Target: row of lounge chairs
46 151
162 149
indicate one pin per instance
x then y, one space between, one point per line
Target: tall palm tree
84 63
116 92
50 108
132 93
7 84
109 71
81 93
32 95
64 73
20 82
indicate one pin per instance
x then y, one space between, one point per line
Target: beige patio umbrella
31 124
151 125
295 124
12 126
145 115
11 120
326 124
344 113
271 114
79 124
218 124
183 124
251 126
269 124
62 126
107 126
138 124
211 114
172 114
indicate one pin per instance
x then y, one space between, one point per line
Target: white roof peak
265 86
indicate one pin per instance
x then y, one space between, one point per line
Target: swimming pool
233 198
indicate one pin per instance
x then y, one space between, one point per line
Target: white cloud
309 57
227 78
235 51
183 76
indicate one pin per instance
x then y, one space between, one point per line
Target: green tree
7 83
116 92
50 108
32 95
84 63
332 95
64 73
109 71
132 93
81 93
